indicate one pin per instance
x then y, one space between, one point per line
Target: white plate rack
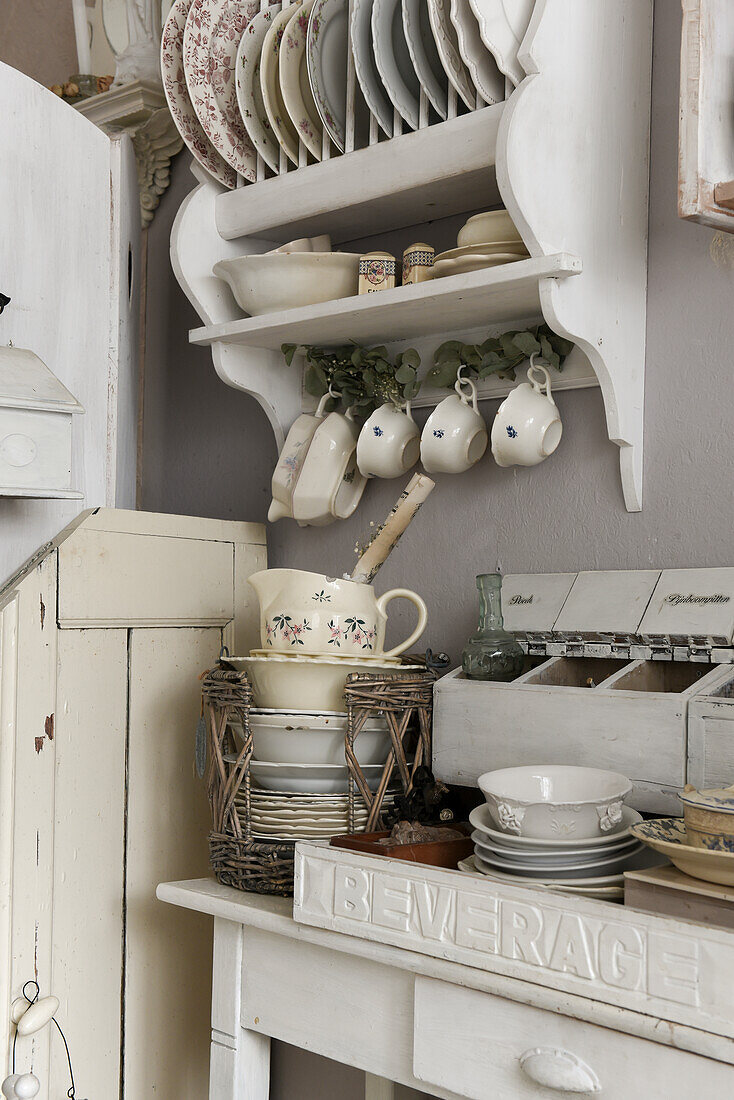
354 102
566 153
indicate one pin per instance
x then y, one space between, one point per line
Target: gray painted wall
208 450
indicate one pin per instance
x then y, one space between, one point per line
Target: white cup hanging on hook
455 436
527 428
389 443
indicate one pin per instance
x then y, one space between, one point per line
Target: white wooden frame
706 137
588 71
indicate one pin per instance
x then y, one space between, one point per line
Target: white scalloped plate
393 59
294 83
502 25
481 819
326 57
447 44
249 92
179 101
213 32
365 66
424 54
483 69
280 120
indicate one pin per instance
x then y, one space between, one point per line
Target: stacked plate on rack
591 867
299 777
245 78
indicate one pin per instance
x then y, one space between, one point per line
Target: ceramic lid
719 799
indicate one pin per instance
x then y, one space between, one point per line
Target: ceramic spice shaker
417 263
376 272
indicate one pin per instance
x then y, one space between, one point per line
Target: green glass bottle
492 653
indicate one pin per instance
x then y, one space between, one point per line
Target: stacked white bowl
557 827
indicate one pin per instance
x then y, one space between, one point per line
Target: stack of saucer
275 816
591 867
486 240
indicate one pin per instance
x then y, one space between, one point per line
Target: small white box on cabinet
35 428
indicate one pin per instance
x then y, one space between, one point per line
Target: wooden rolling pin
388 535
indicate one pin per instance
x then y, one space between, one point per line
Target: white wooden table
446 1028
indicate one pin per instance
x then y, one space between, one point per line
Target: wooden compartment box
663 719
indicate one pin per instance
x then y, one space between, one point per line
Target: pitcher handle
405 594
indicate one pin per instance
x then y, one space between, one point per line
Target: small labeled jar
376 272
418 263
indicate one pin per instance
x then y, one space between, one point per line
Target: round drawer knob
559 1069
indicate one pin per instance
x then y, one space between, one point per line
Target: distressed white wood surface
610 602
706 136
147 580
90 736
676 971
240 1060
274 915
351 1009
143 815
558 724
589 88
31 869
474 1043
8 718
58 193
533 601
488 297
378 1088
166 998
692 602
125 289
441 170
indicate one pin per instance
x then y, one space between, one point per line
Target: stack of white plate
299 776
590 866
300 817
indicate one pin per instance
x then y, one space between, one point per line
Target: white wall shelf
495 296
567 154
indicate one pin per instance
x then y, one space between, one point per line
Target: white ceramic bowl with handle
555 800
285 280
315 739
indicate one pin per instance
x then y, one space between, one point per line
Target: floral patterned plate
279 119
326 57
213 32
667 835
294 84
447 45
483 69
249 92
179 102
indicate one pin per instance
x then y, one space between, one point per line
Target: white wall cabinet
102 640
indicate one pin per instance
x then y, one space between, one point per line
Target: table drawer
484 1047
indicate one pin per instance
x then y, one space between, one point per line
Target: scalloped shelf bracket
572 169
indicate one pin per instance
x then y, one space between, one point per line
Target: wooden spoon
388 535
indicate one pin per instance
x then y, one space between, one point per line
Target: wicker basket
266 867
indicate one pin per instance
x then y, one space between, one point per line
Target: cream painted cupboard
103 636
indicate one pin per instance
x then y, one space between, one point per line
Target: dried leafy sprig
365 377
496 355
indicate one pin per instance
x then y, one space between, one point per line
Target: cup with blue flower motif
455 436
527 428
389 443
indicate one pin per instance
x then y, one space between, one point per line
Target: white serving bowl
310 778
286 280
555 800
305 739
491 225
292 683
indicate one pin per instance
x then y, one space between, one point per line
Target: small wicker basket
266 867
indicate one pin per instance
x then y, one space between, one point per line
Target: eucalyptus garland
496 355
366 378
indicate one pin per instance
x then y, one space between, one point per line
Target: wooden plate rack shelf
566 153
